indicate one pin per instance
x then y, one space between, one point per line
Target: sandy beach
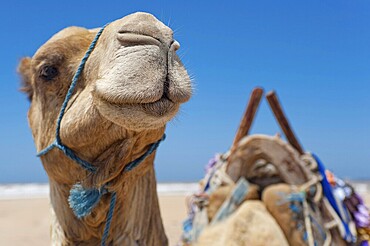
25 221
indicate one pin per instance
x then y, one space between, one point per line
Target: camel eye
48 72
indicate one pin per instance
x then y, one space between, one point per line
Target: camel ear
24 69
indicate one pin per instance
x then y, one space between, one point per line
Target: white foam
23 191
362 189
177 188
28 191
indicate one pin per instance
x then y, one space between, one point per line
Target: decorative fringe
82 201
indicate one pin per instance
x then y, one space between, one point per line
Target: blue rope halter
83 200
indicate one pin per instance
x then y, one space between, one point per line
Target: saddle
266 191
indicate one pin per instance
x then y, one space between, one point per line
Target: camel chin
138 116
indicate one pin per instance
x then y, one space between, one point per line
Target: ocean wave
33 190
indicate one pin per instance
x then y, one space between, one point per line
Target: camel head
133 82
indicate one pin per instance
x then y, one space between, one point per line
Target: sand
26 221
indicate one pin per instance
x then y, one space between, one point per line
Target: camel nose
143 28
175 45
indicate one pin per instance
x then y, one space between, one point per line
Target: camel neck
136 221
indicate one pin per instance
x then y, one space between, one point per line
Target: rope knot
83 200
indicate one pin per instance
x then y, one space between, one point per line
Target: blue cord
74 82
328 193
109 218
69 153
82 200
151 149
58 141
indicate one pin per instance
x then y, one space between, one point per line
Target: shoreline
25 211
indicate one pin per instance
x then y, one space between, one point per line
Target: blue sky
316 54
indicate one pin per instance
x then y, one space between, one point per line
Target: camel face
132 84
141 77
133 80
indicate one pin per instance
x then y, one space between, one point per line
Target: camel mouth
159 108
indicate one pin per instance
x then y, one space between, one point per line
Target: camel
133 83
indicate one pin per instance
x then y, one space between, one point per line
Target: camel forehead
69 31
67 41
65 35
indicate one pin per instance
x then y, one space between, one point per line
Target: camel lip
158 108
127 38
139 100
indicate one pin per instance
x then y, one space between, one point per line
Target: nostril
131 39
175 45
